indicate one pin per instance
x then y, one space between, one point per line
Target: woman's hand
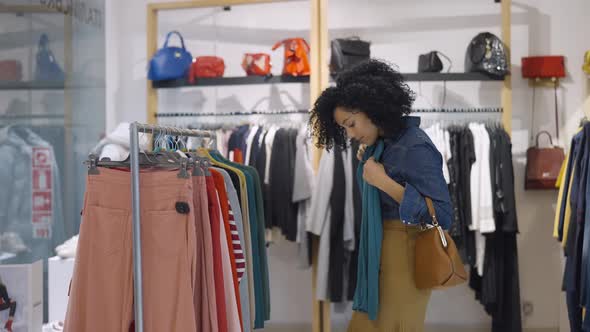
361 152
374 173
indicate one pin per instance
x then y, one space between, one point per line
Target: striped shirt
237 245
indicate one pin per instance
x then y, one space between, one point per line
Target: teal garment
262 242
366 295
259 260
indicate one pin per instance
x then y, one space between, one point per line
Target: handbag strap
431 210
43 42
548 134
441 233
279 43
447 58
556 111
170 35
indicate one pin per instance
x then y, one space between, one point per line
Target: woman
371 104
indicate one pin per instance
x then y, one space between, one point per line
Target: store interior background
399 32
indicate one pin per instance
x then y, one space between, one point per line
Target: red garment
238 156
225 207
217 267
205 299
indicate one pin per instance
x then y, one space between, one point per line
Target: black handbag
429 63
348 52
487 54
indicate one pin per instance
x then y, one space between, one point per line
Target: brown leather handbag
543 165
438 264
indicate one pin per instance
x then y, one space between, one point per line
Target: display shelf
425 77
46 85
31 85
21 9
249 80
237 80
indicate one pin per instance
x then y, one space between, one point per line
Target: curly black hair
373 87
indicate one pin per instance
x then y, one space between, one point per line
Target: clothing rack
134 129
238 113
460 110
304 111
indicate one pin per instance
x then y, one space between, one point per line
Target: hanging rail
286 112
460 110
239 113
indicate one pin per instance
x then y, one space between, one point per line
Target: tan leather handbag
543 165
438 264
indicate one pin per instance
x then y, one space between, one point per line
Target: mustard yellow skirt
402 307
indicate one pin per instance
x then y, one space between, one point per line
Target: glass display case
52 113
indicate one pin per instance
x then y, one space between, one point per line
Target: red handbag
543 67
11 70
296 56
206 67
256 64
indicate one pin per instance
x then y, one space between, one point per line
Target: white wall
399 33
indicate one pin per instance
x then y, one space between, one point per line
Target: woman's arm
374 173
421 169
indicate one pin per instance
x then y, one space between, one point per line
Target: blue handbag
47 67
170 62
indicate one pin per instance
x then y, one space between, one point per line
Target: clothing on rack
571 230
281 157
484 223
204 257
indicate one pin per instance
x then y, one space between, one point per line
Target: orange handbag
296 56
206 66
256 64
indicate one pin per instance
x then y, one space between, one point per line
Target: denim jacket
411 159
16 153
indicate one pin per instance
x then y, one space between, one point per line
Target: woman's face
357 125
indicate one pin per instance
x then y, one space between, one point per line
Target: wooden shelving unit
318 81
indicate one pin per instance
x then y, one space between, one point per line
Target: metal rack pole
137 276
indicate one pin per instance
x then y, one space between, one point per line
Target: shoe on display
12 243
57 326
68 248
8 326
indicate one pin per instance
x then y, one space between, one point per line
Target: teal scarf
366 295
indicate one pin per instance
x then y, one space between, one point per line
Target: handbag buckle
442 236
424 226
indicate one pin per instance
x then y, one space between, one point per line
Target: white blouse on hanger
441 139
481 193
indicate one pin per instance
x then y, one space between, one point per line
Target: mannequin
7 303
